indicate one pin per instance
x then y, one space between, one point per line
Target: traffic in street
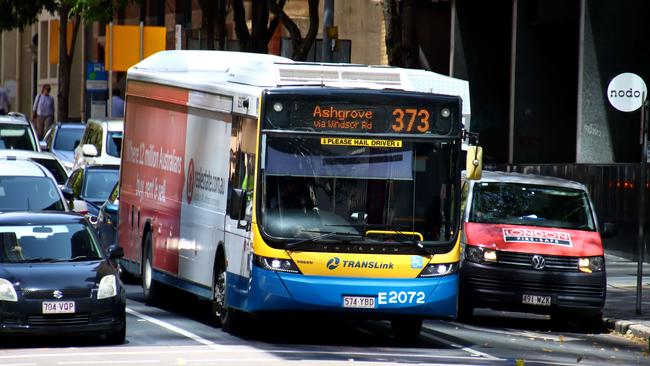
181 332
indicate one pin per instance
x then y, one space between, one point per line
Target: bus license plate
359 302
58 307
536 300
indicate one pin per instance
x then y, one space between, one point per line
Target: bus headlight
276 264
479 254
7 291
591 264
439 269
107 287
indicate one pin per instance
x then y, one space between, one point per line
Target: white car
46 159
16 133
27 186
101 143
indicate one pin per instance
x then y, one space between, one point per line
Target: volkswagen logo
538 261
333 263
57 294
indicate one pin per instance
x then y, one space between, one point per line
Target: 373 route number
408 119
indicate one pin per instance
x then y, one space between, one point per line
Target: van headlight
107 287
7 291
439 269
479 254
591 264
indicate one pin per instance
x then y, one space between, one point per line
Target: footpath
620 308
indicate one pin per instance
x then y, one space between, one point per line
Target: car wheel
406 329
119 336
149 285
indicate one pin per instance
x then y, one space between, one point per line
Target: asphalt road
180 332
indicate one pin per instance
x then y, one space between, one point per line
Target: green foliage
18 14
96 10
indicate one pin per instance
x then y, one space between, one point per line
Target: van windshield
531 205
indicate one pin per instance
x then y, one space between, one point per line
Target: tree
262 29
401 38
18 14
214 14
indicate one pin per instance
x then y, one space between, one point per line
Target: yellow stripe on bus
360 142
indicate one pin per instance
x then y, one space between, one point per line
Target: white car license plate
359 302
536 300
58 307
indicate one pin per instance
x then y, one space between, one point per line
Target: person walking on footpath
5 105
43 111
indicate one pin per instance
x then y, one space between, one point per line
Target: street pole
110 71
328 22
642 200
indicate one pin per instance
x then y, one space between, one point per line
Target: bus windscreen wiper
406 239
317 238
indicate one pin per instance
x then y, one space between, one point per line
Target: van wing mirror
608 230
474 163
237 204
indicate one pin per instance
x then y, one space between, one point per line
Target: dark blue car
55 279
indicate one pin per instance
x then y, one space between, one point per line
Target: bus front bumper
277 291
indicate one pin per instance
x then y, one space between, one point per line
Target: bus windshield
314 186
531 205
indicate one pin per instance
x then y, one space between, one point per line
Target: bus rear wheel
219 297
149 285
406 329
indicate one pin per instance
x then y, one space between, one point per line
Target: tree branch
241 30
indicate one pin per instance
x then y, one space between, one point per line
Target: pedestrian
5 105
43 111
117 104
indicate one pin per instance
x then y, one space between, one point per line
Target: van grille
525 260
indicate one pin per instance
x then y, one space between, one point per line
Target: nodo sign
627 92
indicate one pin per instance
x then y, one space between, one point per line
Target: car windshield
29 193
311 188
16 137
57 170
68 138
114 143
531 205
47 243
99 184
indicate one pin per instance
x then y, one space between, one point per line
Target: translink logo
334 262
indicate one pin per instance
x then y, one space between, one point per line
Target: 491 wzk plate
536 300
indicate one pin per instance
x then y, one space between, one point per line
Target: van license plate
359 302
536 300
58 307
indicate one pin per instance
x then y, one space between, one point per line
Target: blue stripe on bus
268 291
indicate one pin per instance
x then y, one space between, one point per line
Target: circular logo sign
333 263
538 261
190 181
627 92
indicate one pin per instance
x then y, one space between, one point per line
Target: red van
531 244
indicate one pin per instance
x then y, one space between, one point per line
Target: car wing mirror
115 251
89 150
608 230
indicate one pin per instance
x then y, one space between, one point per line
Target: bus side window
242 159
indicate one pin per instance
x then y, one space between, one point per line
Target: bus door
238 229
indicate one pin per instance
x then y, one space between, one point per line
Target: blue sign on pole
96 76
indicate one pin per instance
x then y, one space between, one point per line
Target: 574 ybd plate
359 302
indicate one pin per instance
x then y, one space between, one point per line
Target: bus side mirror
474 163
237 204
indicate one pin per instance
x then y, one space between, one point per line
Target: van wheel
406 329
465 312
592 323
149 286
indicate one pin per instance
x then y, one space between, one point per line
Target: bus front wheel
406 329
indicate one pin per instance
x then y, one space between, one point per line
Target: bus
266 185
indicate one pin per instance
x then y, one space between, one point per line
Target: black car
54 278
89 186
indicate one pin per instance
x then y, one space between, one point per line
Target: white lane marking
174 328
105 362
17 364
473 352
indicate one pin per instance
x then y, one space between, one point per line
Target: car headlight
439 269
107 287
276 264
479 254
591 264
7 291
